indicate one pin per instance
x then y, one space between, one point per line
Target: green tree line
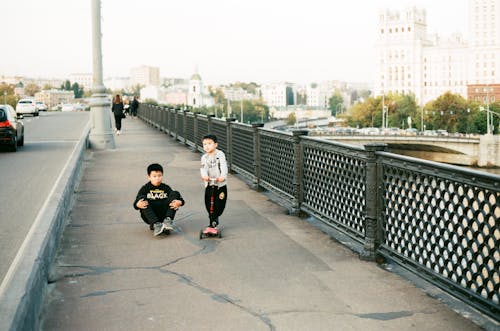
449 112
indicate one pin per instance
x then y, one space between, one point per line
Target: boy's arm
223 165
142 194
204 167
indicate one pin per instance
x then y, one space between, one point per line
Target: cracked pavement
269 271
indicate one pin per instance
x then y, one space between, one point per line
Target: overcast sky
228 40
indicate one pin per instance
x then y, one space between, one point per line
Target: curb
21 292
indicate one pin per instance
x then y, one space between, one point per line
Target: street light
339 105
101 132
488 89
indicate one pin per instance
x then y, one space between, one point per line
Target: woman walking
117 109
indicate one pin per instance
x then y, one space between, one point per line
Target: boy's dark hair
154 167
210 136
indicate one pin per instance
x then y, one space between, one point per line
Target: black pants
150 216
118 122
215 202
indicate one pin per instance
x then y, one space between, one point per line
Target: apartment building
278 94
145 76
53 98
84 80
409 60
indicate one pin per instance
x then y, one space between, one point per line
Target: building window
382 31
409 29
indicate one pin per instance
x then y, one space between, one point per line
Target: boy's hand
220 179
205 178
175 204
142 204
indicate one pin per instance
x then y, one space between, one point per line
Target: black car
11 129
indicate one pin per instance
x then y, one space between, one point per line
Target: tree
401 108
31 88
446 112
365 114
334 102
7 94
66 86
291 119
77 90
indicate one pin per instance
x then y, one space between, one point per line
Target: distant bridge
481 151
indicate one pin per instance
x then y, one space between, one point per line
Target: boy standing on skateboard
214 174
157 201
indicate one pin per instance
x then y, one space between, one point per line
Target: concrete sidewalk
269 271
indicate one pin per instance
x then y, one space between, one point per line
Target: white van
27 106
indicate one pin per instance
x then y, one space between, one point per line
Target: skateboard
210 232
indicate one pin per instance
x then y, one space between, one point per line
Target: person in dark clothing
134 106
157 202
117 109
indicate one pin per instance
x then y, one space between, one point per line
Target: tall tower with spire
195 92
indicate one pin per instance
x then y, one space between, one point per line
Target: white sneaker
118 132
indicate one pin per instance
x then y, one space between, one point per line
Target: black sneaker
151 226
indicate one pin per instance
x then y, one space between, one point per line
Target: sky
226 40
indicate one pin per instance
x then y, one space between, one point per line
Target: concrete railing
22 290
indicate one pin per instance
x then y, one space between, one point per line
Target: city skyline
290 41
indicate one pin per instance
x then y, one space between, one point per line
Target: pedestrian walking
134 106
117 109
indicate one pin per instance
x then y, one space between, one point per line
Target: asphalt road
27 176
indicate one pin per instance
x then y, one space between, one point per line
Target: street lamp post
422 120
383 111
488 125
101 133
339 105
241 110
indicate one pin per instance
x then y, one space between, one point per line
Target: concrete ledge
21 292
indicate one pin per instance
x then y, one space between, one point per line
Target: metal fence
439 221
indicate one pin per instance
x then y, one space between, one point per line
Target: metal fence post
229 135
298 173
183 113
256 155
210 117
373 189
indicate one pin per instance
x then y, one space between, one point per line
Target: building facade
83 79
145 76
278 94
410 61
53 98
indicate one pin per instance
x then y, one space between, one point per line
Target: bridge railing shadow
439 221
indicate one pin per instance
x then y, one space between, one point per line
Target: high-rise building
83 79
145 76
411 61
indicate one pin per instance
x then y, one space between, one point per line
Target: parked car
41 106
411 132
26 106
67 107
11 128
